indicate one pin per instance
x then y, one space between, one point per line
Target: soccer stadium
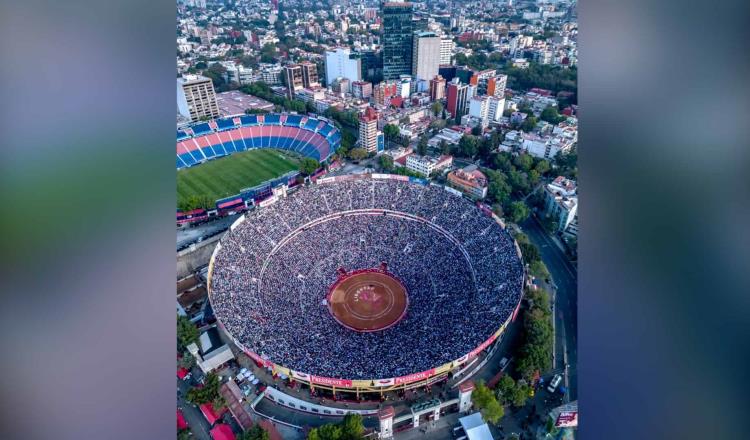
369 283
255 169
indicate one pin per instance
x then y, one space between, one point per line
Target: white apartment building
196 98
479 108
426 55
426 165
561 201
342 63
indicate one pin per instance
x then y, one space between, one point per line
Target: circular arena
370 282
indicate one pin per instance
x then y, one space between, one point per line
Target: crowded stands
272 272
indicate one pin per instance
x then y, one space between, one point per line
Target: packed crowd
271 276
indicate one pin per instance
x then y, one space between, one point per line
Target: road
564 275
196 422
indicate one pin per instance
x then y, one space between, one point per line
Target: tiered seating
315 138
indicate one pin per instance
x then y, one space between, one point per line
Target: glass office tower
398 30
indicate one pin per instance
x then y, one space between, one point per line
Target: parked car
504 363
554 383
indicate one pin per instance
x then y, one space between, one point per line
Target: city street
196 422
564 275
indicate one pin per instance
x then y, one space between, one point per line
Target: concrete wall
188 260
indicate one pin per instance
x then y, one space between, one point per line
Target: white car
504 363
554 383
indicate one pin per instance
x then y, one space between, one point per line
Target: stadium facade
495 302
314 137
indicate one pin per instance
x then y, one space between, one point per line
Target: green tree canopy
358 153
390 131
422 145
518 212
386 162
308 166
187 332
208 393
437 108
486 402
255 433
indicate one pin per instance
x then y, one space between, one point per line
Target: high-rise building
457 97
446 49
342 63
425 55
309 74
293 76
361 89
397 39
496 85
368 130
196 98
437 88
497 105
479 107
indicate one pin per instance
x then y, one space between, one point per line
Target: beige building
368 130
470 181
196 98
426 165
425 56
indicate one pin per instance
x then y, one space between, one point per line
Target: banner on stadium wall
380 176
484 345
325 180
399 177
331 381
453 191
460 360
269 201
300 376
258 359
414 377
417 180
515 312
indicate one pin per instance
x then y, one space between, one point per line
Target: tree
551 115
187 361
542 167
351 428
187 332
539 270
308 166
184 434
437 108
255 433
520 394
518 212
468 146
484 400
528 124
390 131
524 161
504 390
386 162
476 130
422 146
358 154
209 392
444 147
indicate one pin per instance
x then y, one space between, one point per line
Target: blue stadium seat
225 123
187 159
311 124
249 120
272 119
293 120
208 152
326 130
200 129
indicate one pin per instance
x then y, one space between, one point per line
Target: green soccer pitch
226 176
